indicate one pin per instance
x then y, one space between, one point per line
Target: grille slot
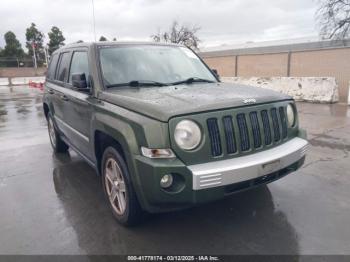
229 135
243 132
276 127
214 136
256 129
266 126
284 122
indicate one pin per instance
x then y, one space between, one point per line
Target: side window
52 67
63 67
79 65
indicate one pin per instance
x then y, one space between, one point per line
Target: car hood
162 103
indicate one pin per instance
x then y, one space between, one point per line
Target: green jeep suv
160 128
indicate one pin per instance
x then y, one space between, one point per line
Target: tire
57 143
118 188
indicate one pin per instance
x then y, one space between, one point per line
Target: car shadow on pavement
245 223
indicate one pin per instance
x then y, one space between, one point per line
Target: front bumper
212 181
231 171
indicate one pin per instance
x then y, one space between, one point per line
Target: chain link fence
20 62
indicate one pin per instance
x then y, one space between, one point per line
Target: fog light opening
166 181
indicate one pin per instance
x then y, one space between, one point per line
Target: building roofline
274 49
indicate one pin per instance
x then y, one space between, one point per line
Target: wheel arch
101 141
116 133
102 138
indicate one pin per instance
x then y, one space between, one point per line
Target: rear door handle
51 91
64 98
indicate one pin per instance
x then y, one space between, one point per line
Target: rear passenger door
79 112
49 83
56 88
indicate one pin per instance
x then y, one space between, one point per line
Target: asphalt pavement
54 204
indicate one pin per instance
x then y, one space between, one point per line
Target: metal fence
20 62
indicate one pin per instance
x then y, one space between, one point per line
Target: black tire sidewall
60 146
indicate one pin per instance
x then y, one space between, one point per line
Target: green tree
1 55
56 39
13 47
35 38
102 38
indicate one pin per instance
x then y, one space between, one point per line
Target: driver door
79 112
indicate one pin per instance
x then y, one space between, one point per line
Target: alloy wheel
52 132
115 186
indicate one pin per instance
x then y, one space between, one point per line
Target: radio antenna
93 17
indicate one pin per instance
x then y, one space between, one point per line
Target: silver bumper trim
244 168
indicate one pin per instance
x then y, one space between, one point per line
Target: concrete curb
4 81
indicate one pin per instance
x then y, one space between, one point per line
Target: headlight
290 115
187 135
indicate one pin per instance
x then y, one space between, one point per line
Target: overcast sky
222 21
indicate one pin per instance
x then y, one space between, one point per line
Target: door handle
64 98
51 91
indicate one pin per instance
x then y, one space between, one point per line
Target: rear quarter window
52 67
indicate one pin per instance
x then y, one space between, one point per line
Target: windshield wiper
192 80
138 83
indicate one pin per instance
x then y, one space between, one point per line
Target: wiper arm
138 83
192 80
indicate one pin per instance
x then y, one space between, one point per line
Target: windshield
151 63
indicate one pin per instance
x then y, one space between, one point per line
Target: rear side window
52 67
79 65
63 67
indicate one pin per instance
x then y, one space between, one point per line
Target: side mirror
79 82
215 72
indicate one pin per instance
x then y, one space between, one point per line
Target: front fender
131 131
